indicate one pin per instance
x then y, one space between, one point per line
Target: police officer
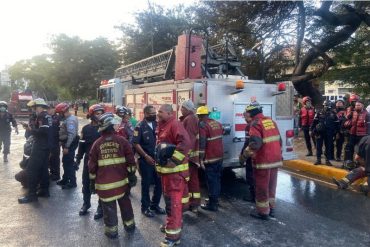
68 135
37 169
5 120
89 135
144 141
54 158
325 126
341 114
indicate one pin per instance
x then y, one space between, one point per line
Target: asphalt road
309 213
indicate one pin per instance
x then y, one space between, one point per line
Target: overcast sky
27 25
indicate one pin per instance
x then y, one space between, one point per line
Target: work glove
241 160
247 153
92 186
132 179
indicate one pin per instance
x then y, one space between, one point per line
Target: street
309 213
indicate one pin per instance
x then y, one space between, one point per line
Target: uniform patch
136 133
268 124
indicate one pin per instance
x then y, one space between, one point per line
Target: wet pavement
309 213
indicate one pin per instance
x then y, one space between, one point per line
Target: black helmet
163 152
105 120
123 110
326 103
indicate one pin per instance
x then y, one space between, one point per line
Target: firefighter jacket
265 142
360 123
325 122
126 130
306 116
89 134
211 148
110 162
190 123
41 130
173 132
5 122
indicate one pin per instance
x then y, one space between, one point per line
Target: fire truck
18 103
208 76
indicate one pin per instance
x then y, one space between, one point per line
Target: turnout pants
173 190
266 180
37 169
54 161
249 178
68 160
5 141
110 213
193 185
349 149
149 176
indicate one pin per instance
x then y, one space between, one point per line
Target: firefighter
190 122
5 120
247 162
125 129
37 169
211 152
144 141
174 171
54 158
306 116
89 135
363 169
112 170
69 138
360 120
341 114
31 120
325 126
265 149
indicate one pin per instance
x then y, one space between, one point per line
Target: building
5 77
336 90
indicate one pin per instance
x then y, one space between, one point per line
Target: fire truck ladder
159 66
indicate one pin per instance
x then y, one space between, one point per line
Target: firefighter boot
5 158
318 162
211 205
169 243
84 209
99 213
157 209
251 196
61 182
309 153
130 228
27 199
328 163
272 212
43 193
111 235
341 184
259 216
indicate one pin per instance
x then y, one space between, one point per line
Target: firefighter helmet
123 110
40 102
3 106
106 120
31 103
163 152
95 108
202 110
253 106
305 99
61 107
353 98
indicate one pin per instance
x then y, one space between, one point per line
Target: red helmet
305 99
353 97
96 107
61 107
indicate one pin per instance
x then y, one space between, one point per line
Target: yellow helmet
40 102
31 103
202 110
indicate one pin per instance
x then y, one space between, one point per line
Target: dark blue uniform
89 135
5 120
145 136
31 124
54 159
37 169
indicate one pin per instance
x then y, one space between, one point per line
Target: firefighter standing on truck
191 125
173 142
144 142
89 135
112 170
211 153
265 150
69 138
306 116
37 168
5 120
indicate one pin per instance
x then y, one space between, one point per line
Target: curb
323 171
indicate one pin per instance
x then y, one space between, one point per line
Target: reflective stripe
346 180
195 195
179 168
264 204
129 222
271 139
193 154
212 160
214 138
131 168
111 185
185 199
112 161
44 126
177 155
269 165
111 229
173 232
113 198
92 176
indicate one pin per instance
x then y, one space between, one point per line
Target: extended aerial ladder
220 59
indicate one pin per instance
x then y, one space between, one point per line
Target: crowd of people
168 153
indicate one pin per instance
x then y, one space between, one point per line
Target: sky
26 26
